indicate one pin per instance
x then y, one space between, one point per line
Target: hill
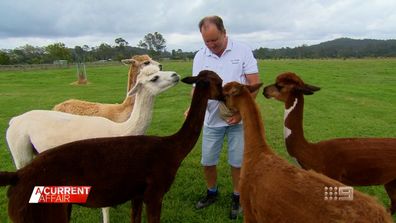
338 48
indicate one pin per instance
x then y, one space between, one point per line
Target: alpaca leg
69 211
154 210
391 190
137 206
21 150
106 215
49 213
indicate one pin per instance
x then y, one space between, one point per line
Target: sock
235 196
212 190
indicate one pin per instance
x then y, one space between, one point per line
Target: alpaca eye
146 63
154 79
278 87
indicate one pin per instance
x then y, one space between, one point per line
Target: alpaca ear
128 61
135 89
312 88
254 87
189 80
308 89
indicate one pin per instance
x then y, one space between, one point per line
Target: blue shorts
212 143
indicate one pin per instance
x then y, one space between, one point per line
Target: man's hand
235 119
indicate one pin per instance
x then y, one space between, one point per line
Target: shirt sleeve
197 63
250 63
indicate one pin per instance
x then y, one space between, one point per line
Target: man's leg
235 155
212 143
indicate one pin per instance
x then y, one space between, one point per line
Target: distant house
60 63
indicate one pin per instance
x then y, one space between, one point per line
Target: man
232 61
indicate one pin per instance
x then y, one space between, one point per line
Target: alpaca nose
176 76
160 66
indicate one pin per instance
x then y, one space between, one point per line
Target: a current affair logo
60 194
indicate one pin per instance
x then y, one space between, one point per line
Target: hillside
338 48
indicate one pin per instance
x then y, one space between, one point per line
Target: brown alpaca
114 112
353 161
136 168
272 190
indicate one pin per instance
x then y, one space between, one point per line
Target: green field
357 99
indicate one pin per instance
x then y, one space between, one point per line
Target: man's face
214 39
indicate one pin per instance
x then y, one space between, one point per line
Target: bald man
232 61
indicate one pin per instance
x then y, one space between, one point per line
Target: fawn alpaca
353 161
273 190
114 112
136 168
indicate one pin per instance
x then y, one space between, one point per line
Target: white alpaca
40 130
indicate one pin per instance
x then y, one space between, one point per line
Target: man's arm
251 80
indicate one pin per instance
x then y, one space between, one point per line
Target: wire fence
54 66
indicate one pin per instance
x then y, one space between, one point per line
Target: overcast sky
259 23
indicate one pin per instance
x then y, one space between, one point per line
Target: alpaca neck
128 101
132 74
293 125
253 128
189 133
140 118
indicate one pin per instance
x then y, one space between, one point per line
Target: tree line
154 44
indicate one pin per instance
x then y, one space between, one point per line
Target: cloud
259 23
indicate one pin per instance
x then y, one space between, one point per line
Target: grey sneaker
210 198
235 207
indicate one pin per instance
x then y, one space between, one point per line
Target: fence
54 66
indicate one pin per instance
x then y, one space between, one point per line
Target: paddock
357 99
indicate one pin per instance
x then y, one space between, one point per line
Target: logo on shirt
235 61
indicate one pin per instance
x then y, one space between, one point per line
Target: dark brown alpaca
136 168
353 161
272 190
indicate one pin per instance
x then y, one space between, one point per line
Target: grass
357 99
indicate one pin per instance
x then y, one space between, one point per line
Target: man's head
213 34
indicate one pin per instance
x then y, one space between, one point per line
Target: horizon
269 24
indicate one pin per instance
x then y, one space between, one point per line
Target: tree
58 51
4 58
121 42
104 51
155 43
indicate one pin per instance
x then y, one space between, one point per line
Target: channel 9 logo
338 193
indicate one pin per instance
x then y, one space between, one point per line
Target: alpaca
272 190
136 168
353 161
39 130
114 112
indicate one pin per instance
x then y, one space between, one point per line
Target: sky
258 23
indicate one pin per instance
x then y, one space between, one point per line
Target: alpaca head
234 90
140 61
154 81
208 80
286 85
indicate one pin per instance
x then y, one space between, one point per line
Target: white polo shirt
234 64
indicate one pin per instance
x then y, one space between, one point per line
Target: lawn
357 99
